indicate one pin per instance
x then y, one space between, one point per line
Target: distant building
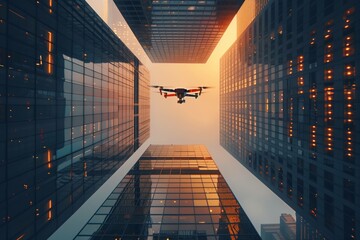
285 230
288 96
305 231
178 31
74 105
172 192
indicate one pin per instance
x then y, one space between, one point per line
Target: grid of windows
172 192
67 121
178 31
288 93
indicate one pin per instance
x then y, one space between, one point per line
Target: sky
197 121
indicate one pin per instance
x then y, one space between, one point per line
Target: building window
329 212
349 190
300 192
313 201
289 185
328 180
349 223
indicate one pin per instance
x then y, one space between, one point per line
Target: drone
180 93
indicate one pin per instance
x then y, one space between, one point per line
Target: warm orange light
48 158
50 210
50 49
50 5
85 169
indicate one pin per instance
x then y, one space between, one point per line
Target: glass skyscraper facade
178 31
288 108
172 192
74 105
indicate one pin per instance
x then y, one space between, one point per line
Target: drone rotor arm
192 95
169 95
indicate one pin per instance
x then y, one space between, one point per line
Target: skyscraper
74 105
178 31
288 108
285 230
172 192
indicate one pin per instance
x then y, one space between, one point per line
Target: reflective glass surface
172 192
288 109
68 93
178 31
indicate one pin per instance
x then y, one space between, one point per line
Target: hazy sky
197 121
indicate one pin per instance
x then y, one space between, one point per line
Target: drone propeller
160 88
201 88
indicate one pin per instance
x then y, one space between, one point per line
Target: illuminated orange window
349 14
291 123
313 136
48 158
329 113
328 33
349 94
300 62
50 60
50 6
348 46
313 93
349 71
85 169
312 41
328 57
329 73
49 210
301 81
290 67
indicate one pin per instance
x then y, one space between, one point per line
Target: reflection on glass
68 93
195 204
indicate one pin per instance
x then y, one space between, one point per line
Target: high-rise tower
178 31
288 108
172 192
74 105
